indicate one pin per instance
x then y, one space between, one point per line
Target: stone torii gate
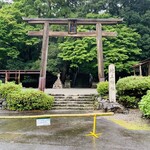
72 32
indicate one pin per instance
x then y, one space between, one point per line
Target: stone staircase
74 102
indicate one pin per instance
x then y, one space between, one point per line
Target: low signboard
43 122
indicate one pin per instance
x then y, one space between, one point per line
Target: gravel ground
133 120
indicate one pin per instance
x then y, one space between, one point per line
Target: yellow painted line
57 115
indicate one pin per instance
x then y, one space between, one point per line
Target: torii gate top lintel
79 21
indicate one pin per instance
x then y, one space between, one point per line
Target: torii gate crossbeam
46 34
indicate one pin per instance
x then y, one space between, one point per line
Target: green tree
1 4
49 8
22 51
53 62
15 45
122 50
136 14
92 6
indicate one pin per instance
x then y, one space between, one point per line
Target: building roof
142 62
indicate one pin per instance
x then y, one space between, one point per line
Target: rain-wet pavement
69 134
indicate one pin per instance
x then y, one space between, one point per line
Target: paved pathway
69 134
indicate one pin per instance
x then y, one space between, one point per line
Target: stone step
86 95
75 96
72 108
73 102
77 99
72 105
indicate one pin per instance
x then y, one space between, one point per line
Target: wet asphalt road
69 134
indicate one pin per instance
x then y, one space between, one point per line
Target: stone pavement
69 134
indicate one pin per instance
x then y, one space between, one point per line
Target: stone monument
67 82
112 87
58 83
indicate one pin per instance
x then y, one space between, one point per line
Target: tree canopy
121 50
19 51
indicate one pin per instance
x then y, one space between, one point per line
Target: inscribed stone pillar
112 87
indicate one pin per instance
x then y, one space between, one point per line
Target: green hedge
103 88
131 89
29 99
144 104
9 87
24 99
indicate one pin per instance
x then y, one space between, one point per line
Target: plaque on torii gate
72 32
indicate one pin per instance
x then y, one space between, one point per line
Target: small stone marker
43 122
112 87
57 84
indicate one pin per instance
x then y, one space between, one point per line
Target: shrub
102 88
131 89
9 87
128 101
144 104
29 99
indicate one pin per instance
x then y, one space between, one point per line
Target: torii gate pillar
42 78
100 52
